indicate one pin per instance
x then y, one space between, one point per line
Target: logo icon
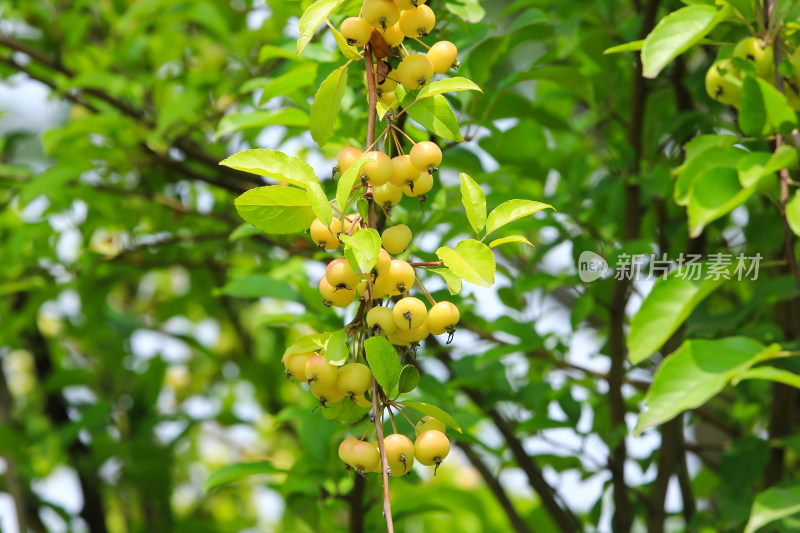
591 267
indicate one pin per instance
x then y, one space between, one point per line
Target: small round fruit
381 321
429 423
364 457
354 379
387 195
394 35
296 365
321 372
420 186
431 448
443 55
341 275
762 56
381 14
443 317
415 71
399 453
348 221
361 288
356 31
327 393
417 22
379 170
426 156
388 98
400 277
335 297
326 237
383 264
720 87
408 338
403 172
347 158
361 401
387 85
409 4
410 313
396 239
381 288
344 449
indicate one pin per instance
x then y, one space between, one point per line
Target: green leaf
243 231
345 411
383 362
276 210
335 349
756 166
289 116
512 210
675 34
474 202
273 164
696 372
435 412
471 260
311 20
350 52
362 249
793 213
711 158
347 181
714 195
453 282
447 85
238 471
468 10
770 373
436 115
773 504
319 202
633 46
258 286
513 238
409 379
764 109
308 343
325 108
362 206
668 305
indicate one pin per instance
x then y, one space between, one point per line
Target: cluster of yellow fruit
724 79
330 383
430 448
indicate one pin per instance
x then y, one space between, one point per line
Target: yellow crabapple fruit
414 71
347 158
443 317
387 195
356 31
426 156
415 336
327 393
361 401
403 172
335 297
400 277
388 98
410 313
319 370
399 453
431 448
341 275
381 321
409 4
388 85
383 264
326 237
443 55
379 170
420 186
724 89
361 288
296 365
760 54
381 14
364 457
428 423
354 379
381 287
393 35
396 239
417 22
344 449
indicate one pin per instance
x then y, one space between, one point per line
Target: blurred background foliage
141 327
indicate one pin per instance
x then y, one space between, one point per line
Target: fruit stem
423 44
402 132
425 291
431 264
391 417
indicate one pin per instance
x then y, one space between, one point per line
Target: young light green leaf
347 181
383 362
770 373
471 260
633 46
335 349
276 210
290 116
764 109
308 343
362 206
713 195
436 115
243 231
668 305
474 202
362 249
409 379
311 20
236 472
453 282
435 412
506 240
793 213
346 412
319 202
273 164
325 108
447 85
773 504
675 34
696 372
350 52
512 210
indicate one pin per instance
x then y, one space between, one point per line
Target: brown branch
430 264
